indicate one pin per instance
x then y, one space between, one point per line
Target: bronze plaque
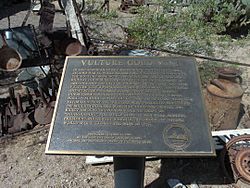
132 106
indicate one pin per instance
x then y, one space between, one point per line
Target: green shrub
180 32
192 29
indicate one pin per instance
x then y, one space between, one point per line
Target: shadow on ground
240 32
205 171
12 9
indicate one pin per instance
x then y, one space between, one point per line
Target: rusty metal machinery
236 159
44 112
16 114
23 110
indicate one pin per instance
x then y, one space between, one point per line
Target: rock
30 142
25 182
72 183
247 124
80 167
3 157
87 180
194 185
40 169
175 183
42 139
157 169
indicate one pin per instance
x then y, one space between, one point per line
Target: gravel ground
24 164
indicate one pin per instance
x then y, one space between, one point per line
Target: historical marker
130 106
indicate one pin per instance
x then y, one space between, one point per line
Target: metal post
129 172
72 19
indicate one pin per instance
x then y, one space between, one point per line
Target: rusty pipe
19 104
45 102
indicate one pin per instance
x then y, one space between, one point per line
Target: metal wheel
242 165
80 3
236 159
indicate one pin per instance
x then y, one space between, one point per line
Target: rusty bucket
10 59
229 73
223 99
70 47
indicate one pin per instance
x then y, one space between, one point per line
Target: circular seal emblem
177 137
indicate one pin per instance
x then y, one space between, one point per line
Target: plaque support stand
129 172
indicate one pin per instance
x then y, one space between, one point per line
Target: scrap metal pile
36 56
40 54
24 112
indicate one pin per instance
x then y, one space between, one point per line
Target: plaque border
128 153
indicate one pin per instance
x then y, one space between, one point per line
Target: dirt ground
23 162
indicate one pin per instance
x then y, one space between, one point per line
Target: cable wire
175 52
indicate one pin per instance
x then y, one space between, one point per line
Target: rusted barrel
10 59
223 98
